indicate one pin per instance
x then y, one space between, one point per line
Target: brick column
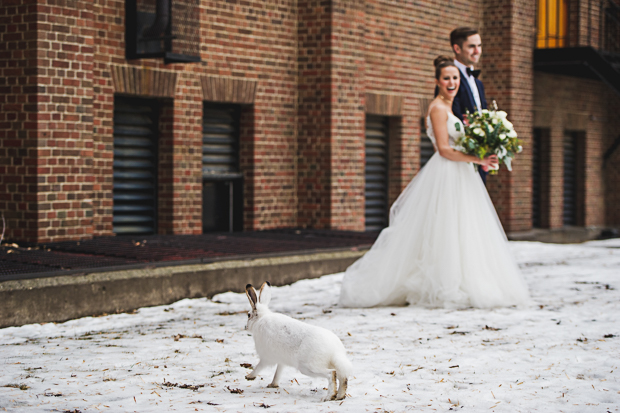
65 135
180 157
347 113
508 40
331 115
18 119
314 114
47 142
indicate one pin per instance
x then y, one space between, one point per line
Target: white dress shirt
471 80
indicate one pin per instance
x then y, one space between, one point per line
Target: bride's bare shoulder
438 111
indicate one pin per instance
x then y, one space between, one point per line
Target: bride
445 246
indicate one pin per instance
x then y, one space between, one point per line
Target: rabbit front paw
272 386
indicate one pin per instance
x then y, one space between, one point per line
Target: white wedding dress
444 247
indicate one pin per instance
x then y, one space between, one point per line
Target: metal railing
610 28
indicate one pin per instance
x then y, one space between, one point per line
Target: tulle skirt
444 247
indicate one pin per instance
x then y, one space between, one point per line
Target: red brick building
184 116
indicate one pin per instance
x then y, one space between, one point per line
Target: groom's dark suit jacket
464 100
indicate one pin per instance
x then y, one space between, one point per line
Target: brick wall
254 41
565 104
305 74
258 40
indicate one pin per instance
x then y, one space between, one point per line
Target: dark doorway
222 193
573 173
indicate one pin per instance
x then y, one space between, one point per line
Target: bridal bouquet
489 132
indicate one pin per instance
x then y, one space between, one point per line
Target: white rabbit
284 341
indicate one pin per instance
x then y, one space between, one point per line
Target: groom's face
469 53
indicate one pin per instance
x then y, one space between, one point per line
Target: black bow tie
474 73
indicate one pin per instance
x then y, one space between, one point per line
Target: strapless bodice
456 129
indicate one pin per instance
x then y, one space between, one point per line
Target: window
167 29
552 24
135 166
376 172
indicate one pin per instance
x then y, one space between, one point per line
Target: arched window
552 24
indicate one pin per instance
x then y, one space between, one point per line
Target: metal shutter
426 146
536 177
222 180
569 213
135 166
376 172
220 142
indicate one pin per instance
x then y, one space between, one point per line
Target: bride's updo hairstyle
440 62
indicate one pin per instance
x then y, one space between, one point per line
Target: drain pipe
162 20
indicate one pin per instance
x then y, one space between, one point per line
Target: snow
559 354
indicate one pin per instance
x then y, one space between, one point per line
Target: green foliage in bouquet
490 132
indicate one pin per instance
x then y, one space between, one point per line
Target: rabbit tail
342 365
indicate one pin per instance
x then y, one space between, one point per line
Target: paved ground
23 261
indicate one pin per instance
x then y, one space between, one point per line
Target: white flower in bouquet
501 152
490 132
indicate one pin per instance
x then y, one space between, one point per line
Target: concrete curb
57 299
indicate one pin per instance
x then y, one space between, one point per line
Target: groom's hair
459 35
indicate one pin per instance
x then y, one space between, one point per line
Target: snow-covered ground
561 354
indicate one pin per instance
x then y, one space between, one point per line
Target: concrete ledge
57 299
565 235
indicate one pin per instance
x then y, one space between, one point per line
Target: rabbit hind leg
342 388
331 387
276 377
329 374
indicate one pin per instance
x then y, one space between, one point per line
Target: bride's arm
439 119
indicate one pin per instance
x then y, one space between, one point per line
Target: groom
467 47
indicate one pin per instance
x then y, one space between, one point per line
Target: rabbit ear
265 293
251 293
